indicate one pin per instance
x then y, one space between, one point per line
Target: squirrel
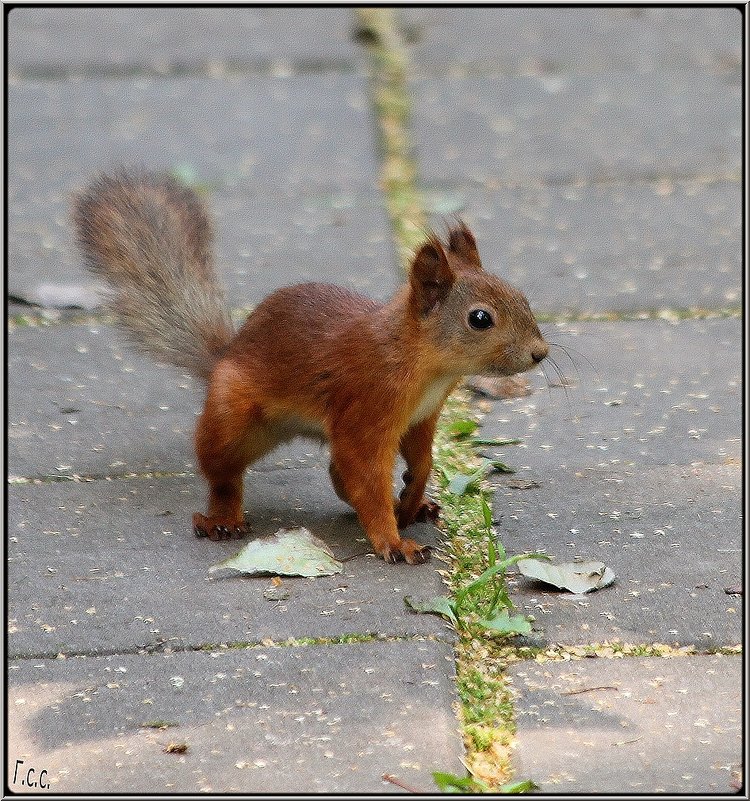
313 359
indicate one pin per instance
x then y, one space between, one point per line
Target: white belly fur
431 399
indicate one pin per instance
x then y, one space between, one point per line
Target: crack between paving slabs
148 474
48 318
391 102
177 69
163 647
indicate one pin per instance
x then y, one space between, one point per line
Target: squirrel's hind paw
428 511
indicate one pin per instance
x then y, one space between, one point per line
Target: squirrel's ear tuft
461 242
431 277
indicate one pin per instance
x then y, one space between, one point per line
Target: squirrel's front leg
416 448
366 480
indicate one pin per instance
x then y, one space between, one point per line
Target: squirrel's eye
480 319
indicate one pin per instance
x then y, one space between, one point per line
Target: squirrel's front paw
218 530
408 551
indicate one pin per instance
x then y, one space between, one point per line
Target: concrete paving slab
644 475
496 130
672 536
282 132
49 41
341 238
642 394
620 248
558 40
279 720
113 566
630 726
290 162
264 240
81 401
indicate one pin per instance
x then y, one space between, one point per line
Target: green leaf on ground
288 552
186 174
486 514
461 483
524 786
503 623
445 202
498 567
441 605
450 783
460 428
577 577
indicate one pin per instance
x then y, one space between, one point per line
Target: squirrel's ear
431 277
461 242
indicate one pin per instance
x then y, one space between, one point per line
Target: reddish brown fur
318 360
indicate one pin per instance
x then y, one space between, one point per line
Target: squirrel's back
150 239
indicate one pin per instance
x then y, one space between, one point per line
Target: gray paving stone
290 162
264 240
643 394
619 248
279 720
342 238
81 401
252 131
113 566
673 537
50 40
557 40
654 726
642 473
569 128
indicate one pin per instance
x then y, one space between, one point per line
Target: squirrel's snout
540 352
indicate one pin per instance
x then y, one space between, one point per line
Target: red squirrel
311 360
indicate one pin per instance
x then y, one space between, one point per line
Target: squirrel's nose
540 352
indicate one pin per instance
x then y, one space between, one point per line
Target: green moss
300 642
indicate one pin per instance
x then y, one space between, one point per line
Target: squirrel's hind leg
224 469
230 435
338 483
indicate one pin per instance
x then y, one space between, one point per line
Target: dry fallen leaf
521 483
289 552
499 387
578 577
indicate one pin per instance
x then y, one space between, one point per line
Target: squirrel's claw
407 551
217 531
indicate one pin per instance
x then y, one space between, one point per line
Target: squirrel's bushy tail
150 239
